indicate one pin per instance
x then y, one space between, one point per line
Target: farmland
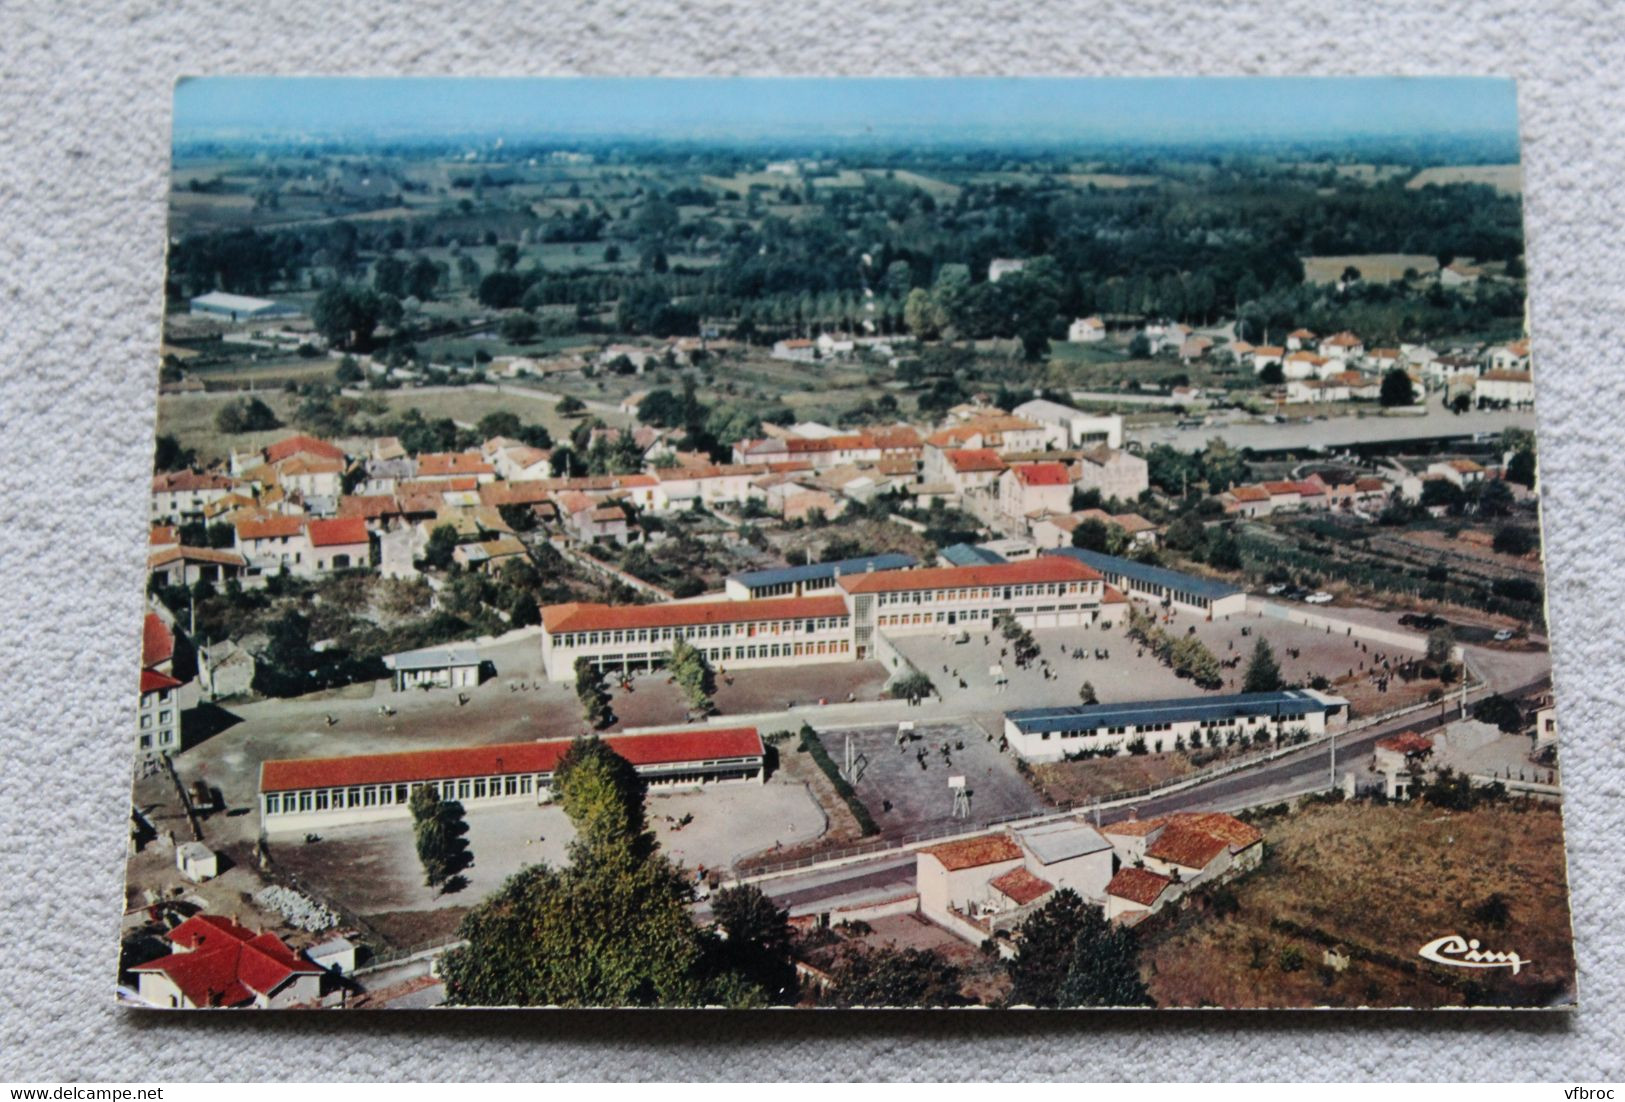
1507 179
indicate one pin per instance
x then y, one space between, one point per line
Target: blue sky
1082 109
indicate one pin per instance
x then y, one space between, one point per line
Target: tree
1071 956
1086 694
168 455
1514 539
570 405
593 695
1441 642
519 328
611 929
912 686
246 415
348 371
1263 672
499 422
1272 374
890 976
346 316
438 551
693 675
1521 468
756 941
438 826
1091 535
1397 389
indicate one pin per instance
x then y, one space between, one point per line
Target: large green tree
1070 955
1263 671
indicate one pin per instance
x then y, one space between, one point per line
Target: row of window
703 631
389 795
1005 593
165 718
1154 728
165 738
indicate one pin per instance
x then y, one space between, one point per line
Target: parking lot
905 784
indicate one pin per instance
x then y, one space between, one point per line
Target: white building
1049 734
217 963
999 268
1065 427
1115 473
1086 330
222 304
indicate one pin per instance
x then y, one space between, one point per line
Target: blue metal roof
890 560
1149 575
967 554
1083 717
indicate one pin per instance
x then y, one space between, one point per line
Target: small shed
440 667
197 862
336 955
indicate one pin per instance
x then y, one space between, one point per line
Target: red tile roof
1022 886
308 445
970 853
1050 568
271 527
441 464
1227 828
1186 846
368 506
1043 474
162 535
337 532
224 964
188 481
1140 886
157 641
501 759
194 554
579 616
970 460
1249 493
1502 376
152 681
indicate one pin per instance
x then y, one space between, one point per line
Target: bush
814 746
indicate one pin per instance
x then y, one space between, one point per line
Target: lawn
1381 881
190 419
1507 179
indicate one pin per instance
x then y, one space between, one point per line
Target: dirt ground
1382 881
1069 783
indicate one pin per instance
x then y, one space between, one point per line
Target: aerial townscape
827 571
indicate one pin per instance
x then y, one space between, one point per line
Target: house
1301 365
1509 357
1379 360
180 496
444 466
1035 488
1300 339
1459 274
217 963
1266 354
272 542
337 544
190 565
1052 532
158 722
1135 892
1001 432
522 463
1088 330
1117 474
1166 336
225 669
868 446
1342 346
1194 348
590 519
311 476
1503 389
455 667
299 445
796 350
1066 427
1185 849
489 555
1461 473
1000 267
1402 761
954 881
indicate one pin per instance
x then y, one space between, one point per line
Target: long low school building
304 794
1038 593
787 631
1205 596
1049 734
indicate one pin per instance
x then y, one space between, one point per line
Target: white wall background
84 110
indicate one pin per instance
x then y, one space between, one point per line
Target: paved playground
910 773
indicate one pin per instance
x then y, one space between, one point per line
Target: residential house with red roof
341 543
217 963
158 719
181 496
298 795
1031 491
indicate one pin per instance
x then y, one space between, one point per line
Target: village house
1402 760
1266 354
1342 346
521 462
1052 532
1508 357
1301 365
489 555
1033 490
868 446
1088 330
1300 339
158 720
445 466
217 963
1000 432
1501 389
1065 427
338 544
1116 474
180 496
1000 267
1460 473
176 565
795 350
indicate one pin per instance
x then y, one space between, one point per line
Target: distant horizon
1014 111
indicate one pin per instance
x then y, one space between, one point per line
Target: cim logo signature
1460 952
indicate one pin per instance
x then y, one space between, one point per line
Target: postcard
845 543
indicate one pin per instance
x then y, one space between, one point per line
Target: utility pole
1334 761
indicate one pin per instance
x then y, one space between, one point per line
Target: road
1287 776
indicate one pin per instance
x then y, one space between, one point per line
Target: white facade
1066 427
1115 473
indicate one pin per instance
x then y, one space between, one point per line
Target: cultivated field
1373 267
1380 882
1507 179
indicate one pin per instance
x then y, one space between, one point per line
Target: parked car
1321 598
1503 635
1275 590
